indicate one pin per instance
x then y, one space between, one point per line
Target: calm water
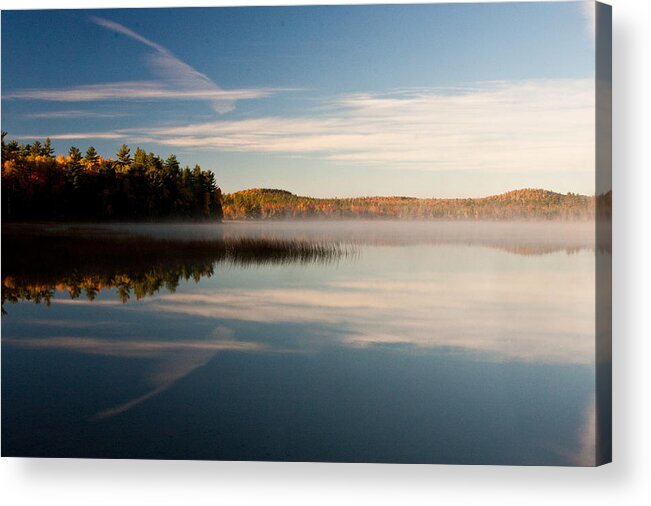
353 342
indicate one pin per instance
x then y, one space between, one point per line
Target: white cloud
505 126
177 74
75 114
177 81
118 28
71 136
524 126
135 90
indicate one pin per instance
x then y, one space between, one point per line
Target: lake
357 341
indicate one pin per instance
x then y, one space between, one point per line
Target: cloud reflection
533 316
174 360
444 289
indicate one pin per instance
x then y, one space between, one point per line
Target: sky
439 100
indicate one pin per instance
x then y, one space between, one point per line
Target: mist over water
541 234
446 342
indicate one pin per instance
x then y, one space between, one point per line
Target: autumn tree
35 185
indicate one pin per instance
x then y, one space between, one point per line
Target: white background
626 481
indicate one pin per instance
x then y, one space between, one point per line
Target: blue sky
423 100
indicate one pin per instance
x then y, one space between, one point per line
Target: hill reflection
137 261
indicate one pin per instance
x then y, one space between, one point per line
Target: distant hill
264 203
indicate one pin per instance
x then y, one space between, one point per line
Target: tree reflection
36 266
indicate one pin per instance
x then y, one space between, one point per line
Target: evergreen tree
124 157
47 150
91 157
74 168
172 165
74 157
37 186
140 158
35 149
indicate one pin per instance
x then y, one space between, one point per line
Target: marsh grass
38 263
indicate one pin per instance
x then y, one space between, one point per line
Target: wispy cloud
176 80
73 136
74 114
118 28
505 126
135 90
522 126
177 74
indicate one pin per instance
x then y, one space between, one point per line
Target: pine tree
124 156
172 165
74 167
88 187
48 150
35 149
140 158
74 156
91 158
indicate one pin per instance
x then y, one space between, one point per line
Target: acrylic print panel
342 233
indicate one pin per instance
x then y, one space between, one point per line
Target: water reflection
173 359
38 261
141 260
344 342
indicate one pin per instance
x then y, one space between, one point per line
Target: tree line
518 204
38 185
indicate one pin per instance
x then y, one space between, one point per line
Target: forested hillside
37 185
517 204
